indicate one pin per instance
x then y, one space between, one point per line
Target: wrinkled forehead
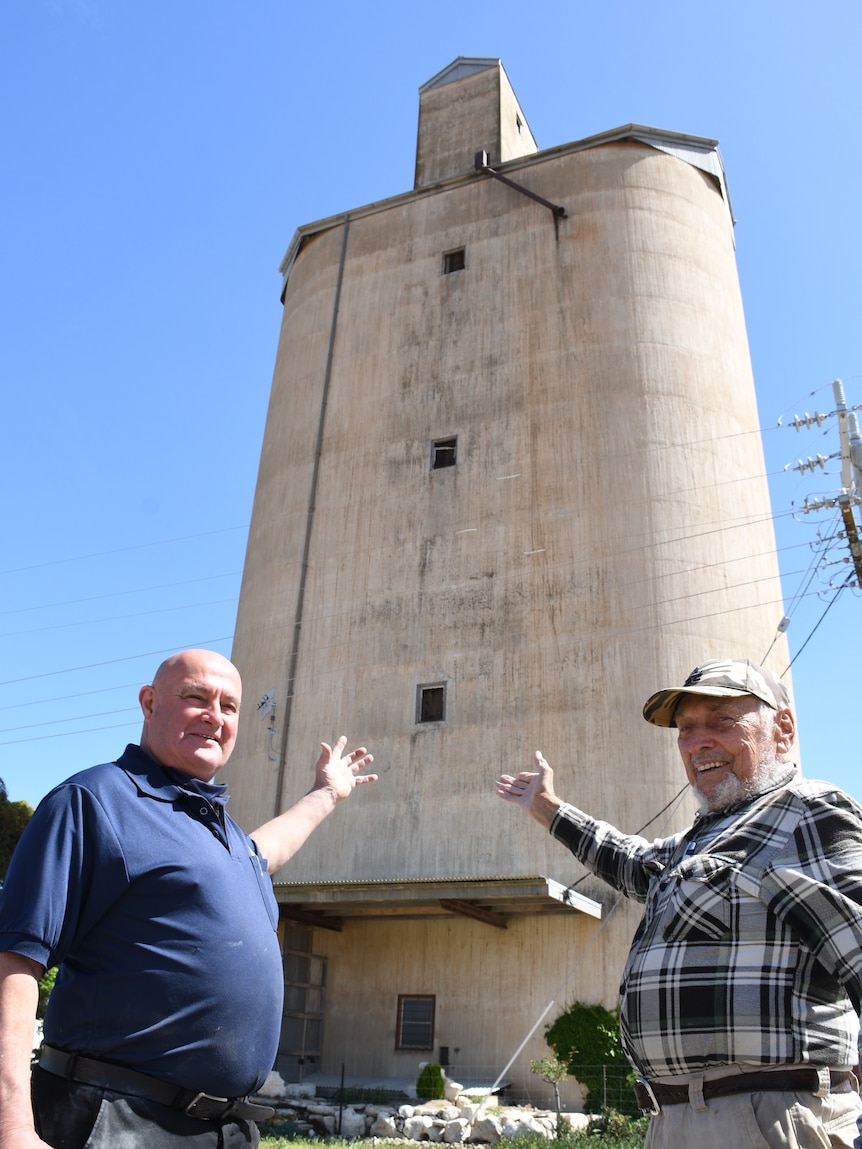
694 705
209 677
221 685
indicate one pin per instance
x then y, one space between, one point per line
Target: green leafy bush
429 1084
587 1039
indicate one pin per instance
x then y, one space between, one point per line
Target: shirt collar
164 782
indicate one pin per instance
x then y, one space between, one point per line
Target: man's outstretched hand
340 773
532 790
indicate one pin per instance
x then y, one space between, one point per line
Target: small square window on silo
454 260
431 703
444 453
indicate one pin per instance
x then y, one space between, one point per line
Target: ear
784 731
147 699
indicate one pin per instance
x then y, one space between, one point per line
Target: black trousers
74 1116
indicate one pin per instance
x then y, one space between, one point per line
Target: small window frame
444 453
430 703
422 1028
454 260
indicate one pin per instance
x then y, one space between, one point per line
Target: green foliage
429 1084
14 816
550 1069
587 1039
45 986
619 1133
357 1095
618 1128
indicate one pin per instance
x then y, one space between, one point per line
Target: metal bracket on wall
482 164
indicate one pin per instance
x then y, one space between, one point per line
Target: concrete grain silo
511 483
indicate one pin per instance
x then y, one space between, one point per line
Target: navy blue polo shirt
162 920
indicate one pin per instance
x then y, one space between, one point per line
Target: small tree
14 816
552 1070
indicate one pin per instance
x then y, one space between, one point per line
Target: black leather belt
651 1096
119 1079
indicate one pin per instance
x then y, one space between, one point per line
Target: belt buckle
219 1107
655 1108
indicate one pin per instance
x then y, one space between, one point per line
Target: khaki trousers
760 1121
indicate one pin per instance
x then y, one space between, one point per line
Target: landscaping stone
440 1121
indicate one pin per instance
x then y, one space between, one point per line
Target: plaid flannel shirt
750 946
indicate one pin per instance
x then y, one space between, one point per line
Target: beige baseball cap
731 678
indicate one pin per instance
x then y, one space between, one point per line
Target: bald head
191 712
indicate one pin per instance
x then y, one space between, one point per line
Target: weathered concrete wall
490 986
606 527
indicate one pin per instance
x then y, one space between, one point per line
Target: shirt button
204 810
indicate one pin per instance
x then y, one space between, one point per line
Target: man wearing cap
740 995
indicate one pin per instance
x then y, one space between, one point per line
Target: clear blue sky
157 158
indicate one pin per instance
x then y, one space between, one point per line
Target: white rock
297 1089
467 1108
448 1112
352 1124
519 1126
418 1128
451 1089
384 1126
456 1131
405 1110
576 1120
486 1128
274 1087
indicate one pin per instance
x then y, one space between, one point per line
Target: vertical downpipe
309 526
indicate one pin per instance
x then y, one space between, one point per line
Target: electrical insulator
808 420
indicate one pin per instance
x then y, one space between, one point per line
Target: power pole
849 501
851 474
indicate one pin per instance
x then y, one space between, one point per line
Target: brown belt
651 1096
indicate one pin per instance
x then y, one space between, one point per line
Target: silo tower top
460 67
467 107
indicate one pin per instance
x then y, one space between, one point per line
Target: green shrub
587 1039
429 1084
359 1095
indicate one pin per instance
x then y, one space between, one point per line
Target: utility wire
829 606
122 550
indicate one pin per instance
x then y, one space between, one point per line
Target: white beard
732 789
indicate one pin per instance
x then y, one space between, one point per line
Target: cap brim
661 707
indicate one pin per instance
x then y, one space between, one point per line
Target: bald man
159 911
